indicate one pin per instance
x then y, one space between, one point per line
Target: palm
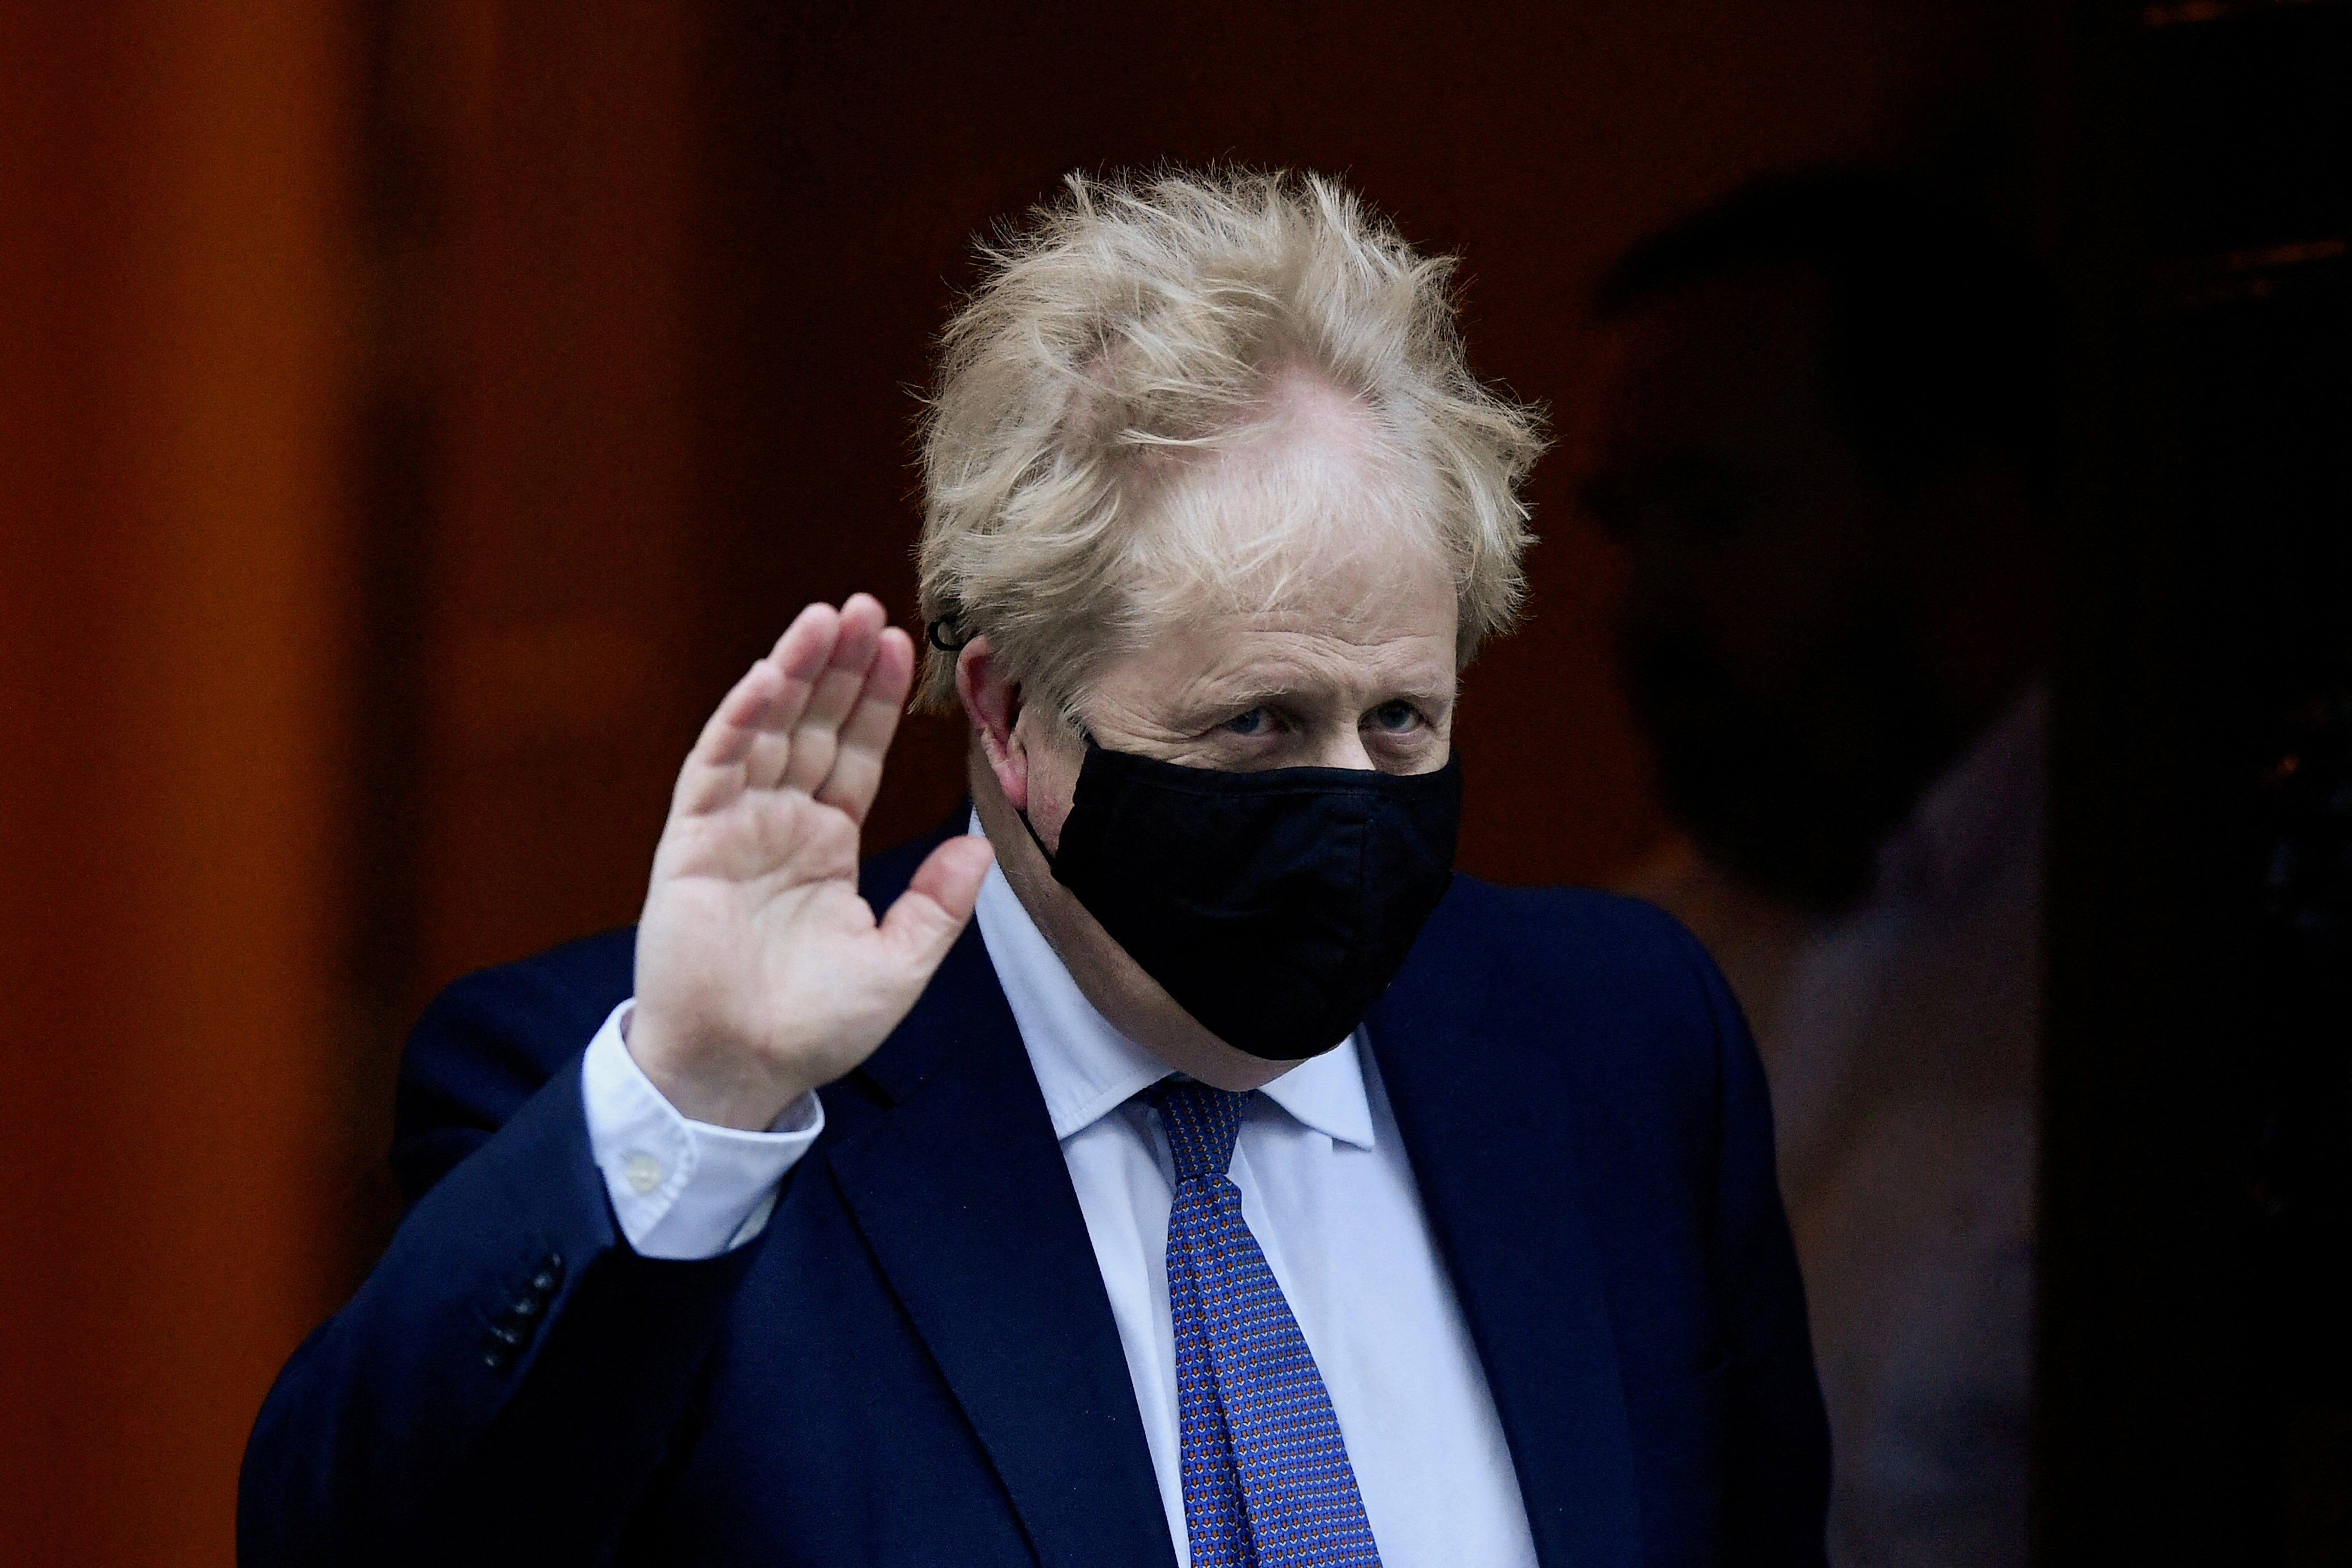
761 972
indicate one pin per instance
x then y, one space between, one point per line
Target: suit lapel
1485 1113
961 1192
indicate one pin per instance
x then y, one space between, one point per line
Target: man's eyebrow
1244 693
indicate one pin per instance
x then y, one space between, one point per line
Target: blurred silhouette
1821 421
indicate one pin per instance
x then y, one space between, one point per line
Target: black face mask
1274 907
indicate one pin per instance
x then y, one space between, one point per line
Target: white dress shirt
1325 1189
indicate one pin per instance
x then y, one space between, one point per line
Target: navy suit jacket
915 1364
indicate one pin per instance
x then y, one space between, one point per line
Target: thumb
930 914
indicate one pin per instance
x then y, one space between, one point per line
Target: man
1239 1186
1822 423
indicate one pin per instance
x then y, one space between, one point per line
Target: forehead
1353 632
1315 508
1306 558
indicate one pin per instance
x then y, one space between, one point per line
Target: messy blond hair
1137 319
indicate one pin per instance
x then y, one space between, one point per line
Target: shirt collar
1087 1068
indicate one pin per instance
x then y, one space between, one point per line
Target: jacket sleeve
1776 1463
512 1380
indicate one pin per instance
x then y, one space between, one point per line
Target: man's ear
992 703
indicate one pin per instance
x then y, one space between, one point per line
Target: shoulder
529 1006
488 1041
530 1015
1603 948
1609 989
1472 903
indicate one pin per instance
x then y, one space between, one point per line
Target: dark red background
417 414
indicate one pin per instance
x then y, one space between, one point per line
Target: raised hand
760 972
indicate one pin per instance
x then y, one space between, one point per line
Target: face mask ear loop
1040 843
1092 745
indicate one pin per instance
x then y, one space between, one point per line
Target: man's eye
1256 721
1395 717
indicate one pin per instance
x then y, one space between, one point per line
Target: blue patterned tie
1266 1478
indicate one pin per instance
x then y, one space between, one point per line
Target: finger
726 756
816 735
713 773
865 735
799 656
930 914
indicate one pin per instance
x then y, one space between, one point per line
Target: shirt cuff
681 1188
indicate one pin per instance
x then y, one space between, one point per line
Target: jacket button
495 1357
526 1307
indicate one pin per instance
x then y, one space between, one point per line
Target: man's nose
1341 749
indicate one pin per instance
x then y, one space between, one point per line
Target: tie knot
1202 1125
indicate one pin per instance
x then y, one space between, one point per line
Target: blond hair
1139 319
